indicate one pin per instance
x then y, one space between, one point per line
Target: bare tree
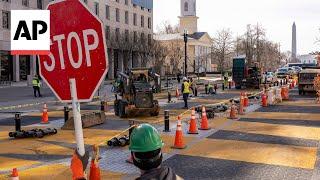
175 55
222 48
167 28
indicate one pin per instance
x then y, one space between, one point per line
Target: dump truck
134 92
306 78
244 75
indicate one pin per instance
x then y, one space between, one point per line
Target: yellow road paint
10 163
292 156
284 115
58 172
275 129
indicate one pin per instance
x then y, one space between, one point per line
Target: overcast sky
276 16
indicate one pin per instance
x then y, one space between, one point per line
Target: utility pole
185 37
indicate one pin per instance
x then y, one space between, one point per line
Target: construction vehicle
245 75
136 88
306 79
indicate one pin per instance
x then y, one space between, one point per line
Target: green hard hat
145 138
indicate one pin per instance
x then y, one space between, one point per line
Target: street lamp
185 38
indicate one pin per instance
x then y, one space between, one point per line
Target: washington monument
294 43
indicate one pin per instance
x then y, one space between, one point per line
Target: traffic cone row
233 112
241 107
193 123
178 141
246 100
204 120
45 118
264 99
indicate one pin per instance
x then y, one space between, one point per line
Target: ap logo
30 32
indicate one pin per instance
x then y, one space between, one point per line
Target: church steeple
188 8
188 18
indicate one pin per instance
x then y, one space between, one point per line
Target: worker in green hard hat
145 147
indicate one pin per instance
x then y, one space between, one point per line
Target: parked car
271 77
296 69
282 72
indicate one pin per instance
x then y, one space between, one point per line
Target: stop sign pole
77 117
77 63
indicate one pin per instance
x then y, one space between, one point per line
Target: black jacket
163 173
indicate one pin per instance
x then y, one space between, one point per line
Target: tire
122 109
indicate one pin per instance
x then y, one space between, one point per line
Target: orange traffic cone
94 167
193 123
94 171
178 141
45 118
14 174
246 100
233 112
264 100
241 107
177 93
204 120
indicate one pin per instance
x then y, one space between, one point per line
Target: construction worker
145 146
36 86
185 91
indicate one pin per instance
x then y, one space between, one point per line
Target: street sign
77 63
77 51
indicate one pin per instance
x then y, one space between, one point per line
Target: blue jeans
185 99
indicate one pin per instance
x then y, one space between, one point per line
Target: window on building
6 19
6 0
108 12
149 22
25 3
96 8
107 32
149 39
142 21
117 34
85 1
135 38
149 10
117 1
134 5
117 15
142 8
126 2
186 6
126 15
134 19
142 38
126 34
40 4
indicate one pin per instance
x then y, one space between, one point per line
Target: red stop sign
78 51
